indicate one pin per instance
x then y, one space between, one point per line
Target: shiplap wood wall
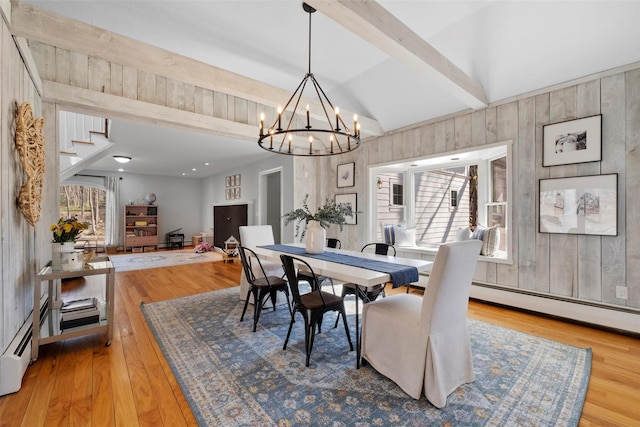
587 268
23 248
68 72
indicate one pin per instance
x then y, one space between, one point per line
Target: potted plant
327 214
65 233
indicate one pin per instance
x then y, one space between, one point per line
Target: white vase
315 238
64 257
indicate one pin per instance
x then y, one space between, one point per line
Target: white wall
213 190
178 200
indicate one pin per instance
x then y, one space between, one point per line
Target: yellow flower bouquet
67 230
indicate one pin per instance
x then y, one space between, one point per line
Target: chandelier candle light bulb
261 124
279 118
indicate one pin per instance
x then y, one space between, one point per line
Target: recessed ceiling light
122 159
194 169
184 173
206 164
120 170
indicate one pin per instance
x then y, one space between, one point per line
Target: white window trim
483 191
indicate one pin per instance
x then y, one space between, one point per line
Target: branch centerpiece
325 215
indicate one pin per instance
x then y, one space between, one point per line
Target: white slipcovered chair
423 344
250 237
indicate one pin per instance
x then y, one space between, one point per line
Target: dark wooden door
226 220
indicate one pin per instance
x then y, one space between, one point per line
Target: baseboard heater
15 360
620 319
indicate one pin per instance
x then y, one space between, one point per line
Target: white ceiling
509 47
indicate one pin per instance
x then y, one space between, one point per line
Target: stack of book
79 312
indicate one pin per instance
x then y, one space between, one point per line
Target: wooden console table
46 307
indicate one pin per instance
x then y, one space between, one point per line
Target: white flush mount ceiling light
122 159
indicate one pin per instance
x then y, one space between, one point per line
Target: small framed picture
236 180
579 205
228 193
346 175
351 200
573 141
227 181
236 193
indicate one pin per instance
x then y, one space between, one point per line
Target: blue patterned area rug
234 377
141 261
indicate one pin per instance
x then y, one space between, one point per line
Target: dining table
363 269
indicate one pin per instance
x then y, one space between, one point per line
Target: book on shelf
79 304
66 324
79 314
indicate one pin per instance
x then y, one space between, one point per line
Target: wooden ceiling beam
372 22
117 107
46 27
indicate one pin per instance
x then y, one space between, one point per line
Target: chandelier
297 135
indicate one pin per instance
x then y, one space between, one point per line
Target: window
397 193
441 195
88 205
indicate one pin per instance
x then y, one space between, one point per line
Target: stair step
77 141
69 153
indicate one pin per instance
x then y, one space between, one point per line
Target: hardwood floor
82 382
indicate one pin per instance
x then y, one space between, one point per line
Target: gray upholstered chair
433 354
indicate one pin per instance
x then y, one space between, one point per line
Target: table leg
357 329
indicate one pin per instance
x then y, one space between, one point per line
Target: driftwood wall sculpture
30 145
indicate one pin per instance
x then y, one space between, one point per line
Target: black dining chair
260 287
373 292
303 275
311 305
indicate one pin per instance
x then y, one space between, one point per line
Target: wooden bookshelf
140 228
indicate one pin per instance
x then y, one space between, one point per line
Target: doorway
226 222
270 197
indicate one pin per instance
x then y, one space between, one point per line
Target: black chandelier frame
292 141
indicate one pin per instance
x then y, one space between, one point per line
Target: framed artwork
573 141
227 182
346 175
236 180
349 199
579 205
227 193
236 193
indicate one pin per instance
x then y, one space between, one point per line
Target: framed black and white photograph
228 193
349 199
573 141
236 193
346 175
579 205
228 182
236 180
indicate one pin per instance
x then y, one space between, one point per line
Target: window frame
451 160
